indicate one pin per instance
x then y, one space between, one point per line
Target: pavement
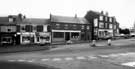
29 48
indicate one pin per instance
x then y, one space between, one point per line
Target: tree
124 31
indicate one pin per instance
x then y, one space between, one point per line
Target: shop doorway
67 36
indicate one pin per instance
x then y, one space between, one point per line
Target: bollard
109 42
93 43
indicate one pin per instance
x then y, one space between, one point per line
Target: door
67 36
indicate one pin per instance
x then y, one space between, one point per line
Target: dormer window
10 19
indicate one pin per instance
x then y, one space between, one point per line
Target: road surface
80 56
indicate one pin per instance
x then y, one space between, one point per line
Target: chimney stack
75 15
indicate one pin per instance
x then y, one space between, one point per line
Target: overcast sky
123 10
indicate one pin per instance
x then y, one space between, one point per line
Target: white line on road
68 58
45 59
132 64
21 60
56 59
104 56
31 60
81 57
92 57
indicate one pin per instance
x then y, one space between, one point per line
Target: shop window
39 28
75 35
58 34
26 39
46 38
6 40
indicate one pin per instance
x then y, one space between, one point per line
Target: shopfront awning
66 31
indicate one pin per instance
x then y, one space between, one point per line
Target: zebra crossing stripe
81 57
68 58
131 64
56 59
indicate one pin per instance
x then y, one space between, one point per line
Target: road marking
21 60
68 58
104 56
31 60
12 60
113 55
132 64
56 59
92 57
81 57
45 59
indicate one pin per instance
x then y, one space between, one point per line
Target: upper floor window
88 27
106 25
101 25
57 25
106 18
110 19
110 26
28 28
82 27
22 27
95 22
115 27
39 28
101 18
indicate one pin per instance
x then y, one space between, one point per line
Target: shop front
43 37
7 38
104 33
65 35
27 38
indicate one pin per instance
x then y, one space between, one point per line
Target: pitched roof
65 19
35 21
3 19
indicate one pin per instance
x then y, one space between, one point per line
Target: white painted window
101 18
